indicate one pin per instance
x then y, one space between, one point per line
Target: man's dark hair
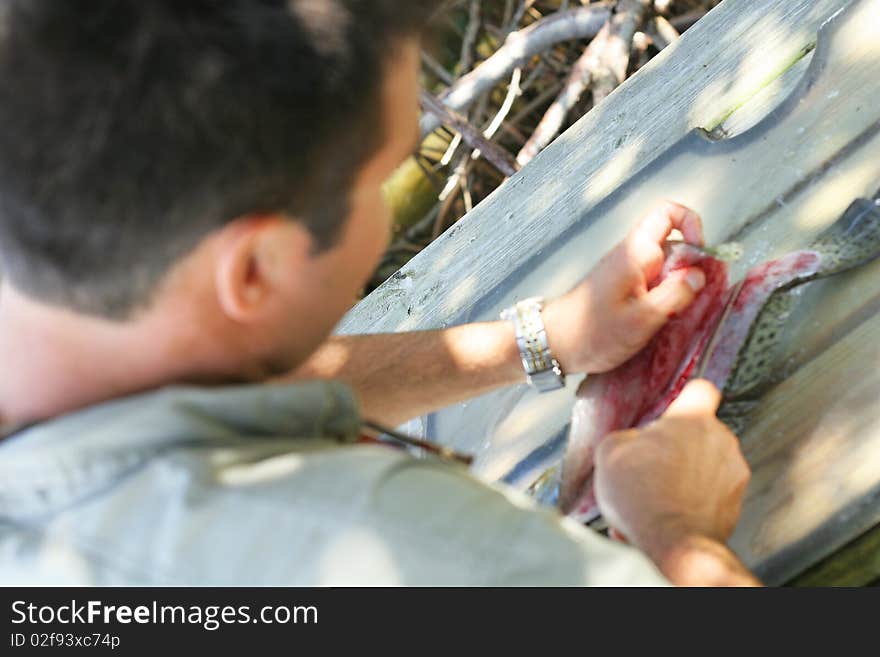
131 129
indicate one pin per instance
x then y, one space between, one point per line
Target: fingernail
696 279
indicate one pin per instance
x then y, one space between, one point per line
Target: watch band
541 367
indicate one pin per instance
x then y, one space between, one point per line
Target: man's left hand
613 313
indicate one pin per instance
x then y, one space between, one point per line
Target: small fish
730 335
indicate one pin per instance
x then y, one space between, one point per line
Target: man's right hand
675 487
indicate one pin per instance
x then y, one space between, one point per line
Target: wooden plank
814 449
857 564
764 102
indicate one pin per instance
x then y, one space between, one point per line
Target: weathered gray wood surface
772 186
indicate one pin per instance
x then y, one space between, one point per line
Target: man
189 201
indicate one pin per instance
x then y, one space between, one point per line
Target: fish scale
850 242
752 372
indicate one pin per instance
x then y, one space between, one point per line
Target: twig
630 14
639 56
513 91
450 152
685 21
466 60
434 66
510 129
579 79
455 179
466 192
662 6
535 103
499 157
451 24
422 225
524 6
579 23
508 12
447 197
603 66
662 32
429 175
537 72
461 174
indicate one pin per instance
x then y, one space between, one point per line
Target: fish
731 335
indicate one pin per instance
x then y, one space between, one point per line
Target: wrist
695 559
485 351
511 361
557 316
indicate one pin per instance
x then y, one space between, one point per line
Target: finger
699 397
645 255
609 445
666 217
688 222
674 294
644 244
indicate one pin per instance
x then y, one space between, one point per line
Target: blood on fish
640 390
759 284
622 399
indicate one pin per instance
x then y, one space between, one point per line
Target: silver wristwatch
543 370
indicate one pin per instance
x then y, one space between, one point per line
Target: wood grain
814 449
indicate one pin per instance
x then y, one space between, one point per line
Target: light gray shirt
266 485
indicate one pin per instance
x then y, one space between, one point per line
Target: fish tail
851 241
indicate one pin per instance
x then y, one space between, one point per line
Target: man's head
232 151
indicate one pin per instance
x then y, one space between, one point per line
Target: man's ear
253 256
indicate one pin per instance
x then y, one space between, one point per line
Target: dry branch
662 6
470 38
581 75
662 32
686 21
513 90
579 23
615 56
437 69
602 66
499 157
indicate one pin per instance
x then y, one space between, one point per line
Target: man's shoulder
216 494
